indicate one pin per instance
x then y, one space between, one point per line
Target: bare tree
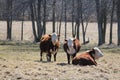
101 9
118 19
61 15
22 26
99 22
73 17
78 18
104 18
33 19
84 28
65 19
38 17
44 16
53 14
9 19
111 21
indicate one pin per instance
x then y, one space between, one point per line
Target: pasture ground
20 61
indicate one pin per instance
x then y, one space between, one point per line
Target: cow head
54 38
98 53
70 44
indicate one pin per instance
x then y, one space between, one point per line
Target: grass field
20 60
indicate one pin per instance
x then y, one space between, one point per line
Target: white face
70 44
98 53
54 38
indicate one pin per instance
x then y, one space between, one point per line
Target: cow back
84 59
44 42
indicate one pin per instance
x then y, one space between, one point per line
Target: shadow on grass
62 64
43 61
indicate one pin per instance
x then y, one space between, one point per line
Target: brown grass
22 62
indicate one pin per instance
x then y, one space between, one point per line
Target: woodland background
78 12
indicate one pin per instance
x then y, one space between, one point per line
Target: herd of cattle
50 45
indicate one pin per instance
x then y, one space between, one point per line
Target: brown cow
50 45
71 47
88 57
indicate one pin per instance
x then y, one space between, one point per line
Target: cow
71 47
50 45
88 57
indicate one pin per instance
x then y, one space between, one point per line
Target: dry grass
20 60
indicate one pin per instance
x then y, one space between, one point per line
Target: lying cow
50 45
88 57
71 47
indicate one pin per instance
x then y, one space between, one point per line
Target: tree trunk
54 3
65 19
22 26
9 19
38 17
78 18
44 18
98 10
104 17
60 20
32 19
118 19
111 22
73 27
104 27
82 22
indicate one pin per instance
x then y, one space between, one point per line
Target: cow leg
49 57
75 62
55 56
93 62
73 55
68 57
41 56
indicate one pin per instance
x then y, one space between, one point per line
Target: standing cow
88 57
71 47
50 45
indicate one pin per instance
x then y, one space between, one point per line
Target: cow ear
49 35
93 50
65 40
